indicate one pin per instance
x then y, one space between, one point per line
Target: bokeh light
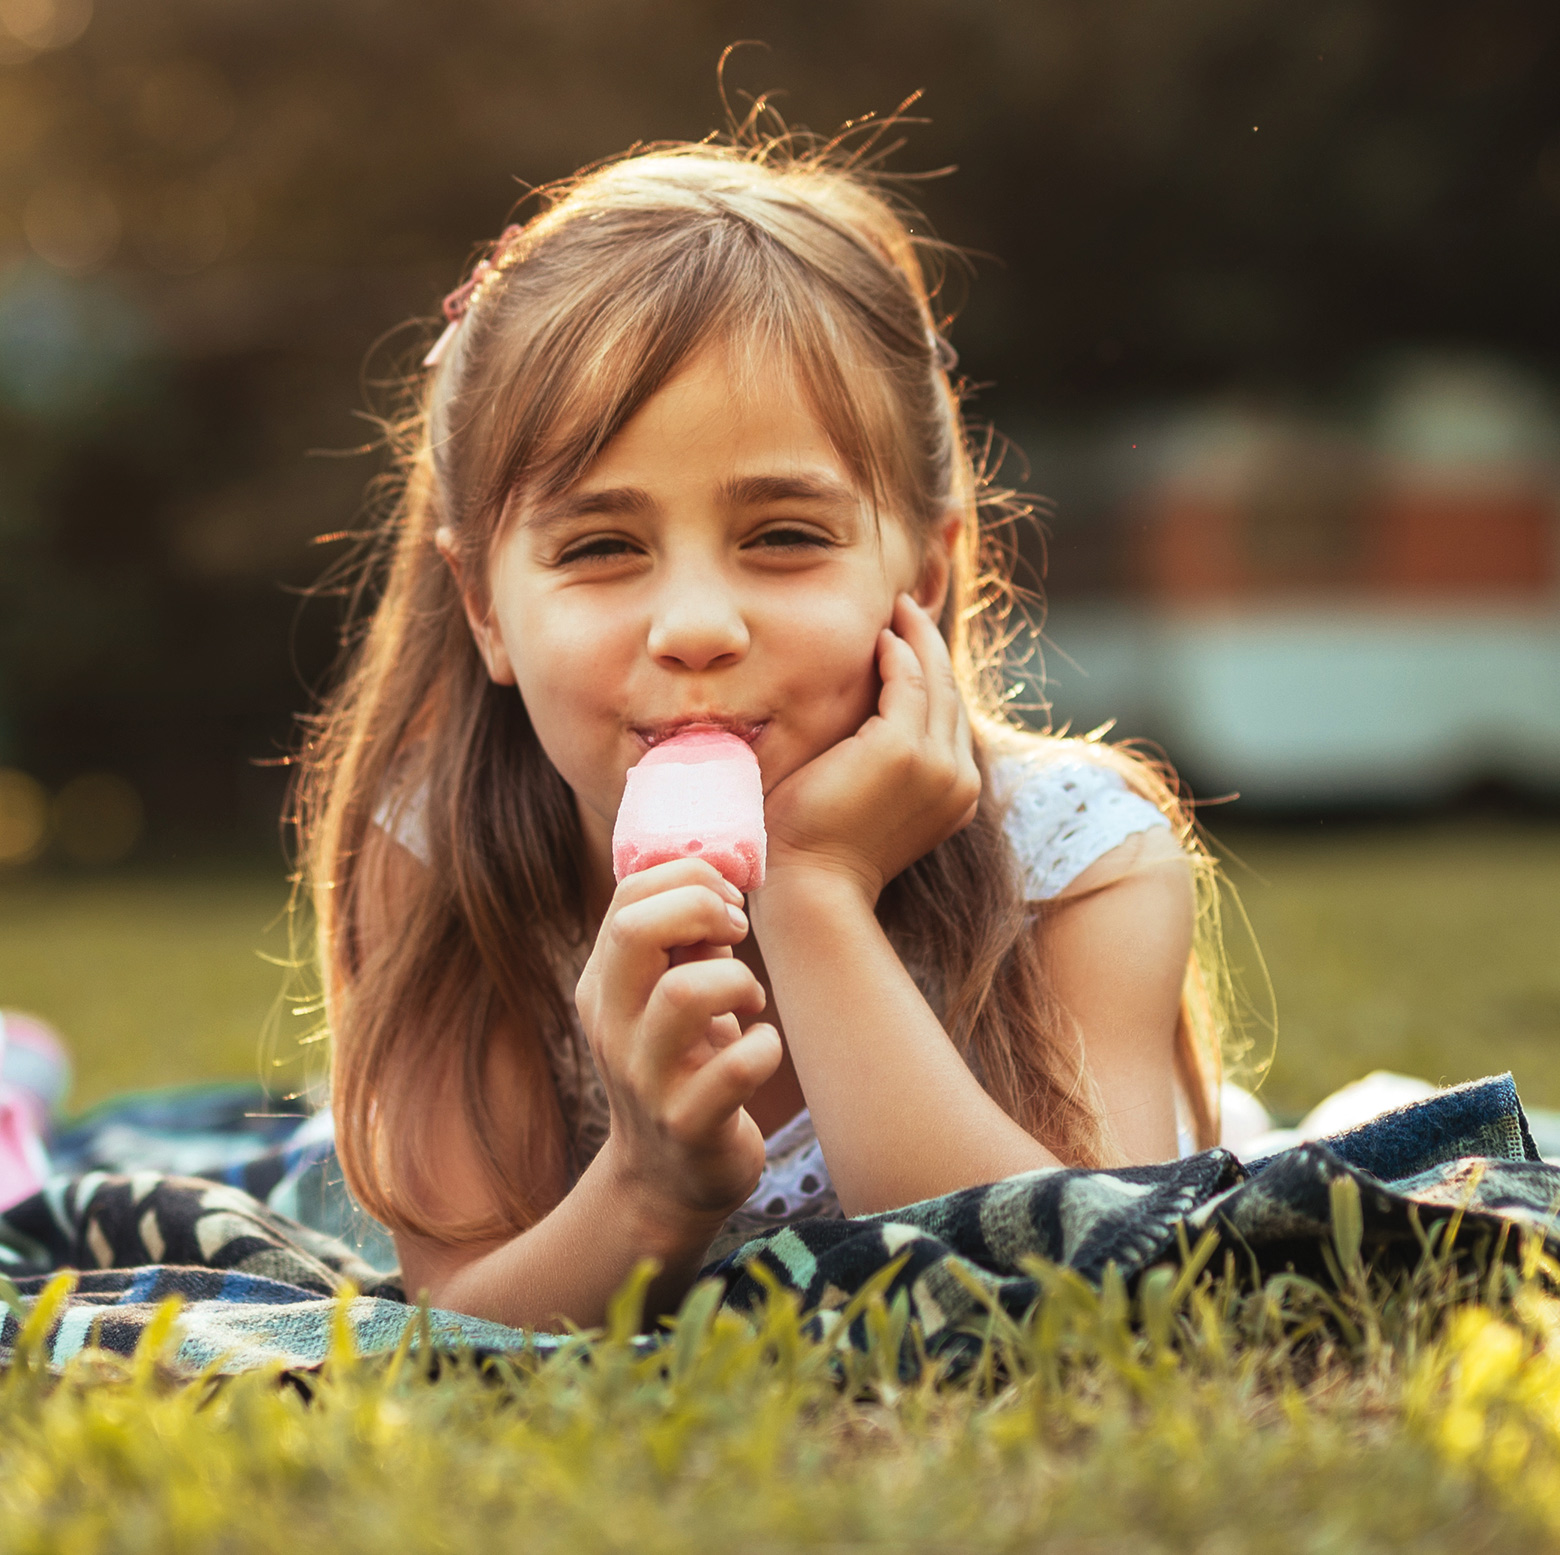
73 226
30 27
24 817
98 819
185 105
68 347
191 225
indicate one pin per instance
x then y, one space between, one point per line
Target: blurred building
1311 611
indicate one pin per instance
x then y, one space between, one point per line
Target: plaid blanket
259 1287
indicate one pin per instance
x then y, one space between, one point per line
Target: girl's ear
479 612
931 590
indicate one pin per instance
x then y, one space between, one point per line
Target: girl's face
716 565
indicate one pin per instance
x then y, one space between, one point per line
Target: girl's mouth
748 729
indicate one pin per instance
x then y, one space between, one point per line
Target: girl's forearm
568 1266
898 1112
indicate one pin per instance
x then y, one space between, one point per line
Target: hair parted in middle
791 256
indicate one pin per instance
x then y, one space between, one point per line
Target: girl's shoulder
1066 802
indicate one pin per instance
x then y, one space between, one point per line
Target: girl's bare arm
898 1113
570 1263
1117 942
567 1266
682 1153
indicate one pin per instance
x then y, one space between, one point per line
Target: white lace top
1065 809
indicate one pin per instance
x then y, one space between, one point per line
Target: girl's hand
872 805
660 1000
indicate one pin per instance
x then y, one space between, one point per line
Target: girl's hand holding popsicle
666 1035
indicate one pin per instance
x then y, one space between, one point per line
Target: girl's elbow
433 1271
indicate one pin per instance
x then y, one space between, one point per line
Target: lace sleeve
1064 813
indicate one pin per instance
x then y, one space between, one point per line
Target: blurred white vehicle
1319 616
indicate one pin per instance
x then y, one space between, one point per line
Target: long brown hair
624 273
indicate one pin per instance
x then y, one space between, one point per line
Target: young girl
689 455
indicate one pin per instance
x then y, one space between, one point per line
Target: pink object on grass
696 795
24 1109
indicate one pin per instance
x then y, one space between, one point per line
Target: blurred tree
207 214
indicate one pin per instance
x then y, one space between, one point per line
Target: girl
689 455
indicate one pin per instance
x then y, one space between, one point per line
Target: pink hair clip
459 301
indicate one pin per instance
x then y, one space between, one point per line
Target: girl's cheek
840 695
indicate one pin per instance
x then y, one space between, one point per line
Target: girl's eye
787 537
598 548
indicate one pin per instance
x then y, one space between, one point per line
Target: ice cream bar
696 795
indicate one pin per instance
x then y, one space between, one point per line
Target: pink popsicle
696 795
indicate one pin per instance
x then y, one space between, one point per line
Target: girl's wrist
805 889
656 1223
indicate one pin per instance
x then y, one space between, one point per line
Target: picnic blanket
259 1286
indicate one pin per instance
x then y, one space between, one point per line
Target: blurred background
1265 298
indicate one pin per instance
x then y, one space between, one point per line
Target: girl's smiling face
716 565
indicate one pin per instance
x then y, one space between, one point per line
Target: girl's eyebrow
739 491
755 490
612 501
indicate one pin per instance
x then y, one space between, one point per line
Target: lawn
1194 1418
156 978
1201 1418
1433 950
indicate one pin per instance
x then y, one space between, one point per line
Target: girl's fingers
964 743
710 1096
685 1002
925 701
724 1030
676 872
944 705
640 939
646 931
903 701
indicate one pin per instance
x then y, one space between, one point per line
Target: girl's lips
748 729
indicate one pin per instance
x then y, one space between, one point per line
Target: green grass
1422 1415
1200 1418
154 978
1432 950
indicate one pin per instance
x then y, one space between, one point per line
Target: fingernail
738 919
729 891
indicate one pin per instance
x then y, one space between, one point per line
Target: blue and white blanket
242 1215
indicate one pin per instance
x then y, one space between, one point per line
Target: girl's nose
698 626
